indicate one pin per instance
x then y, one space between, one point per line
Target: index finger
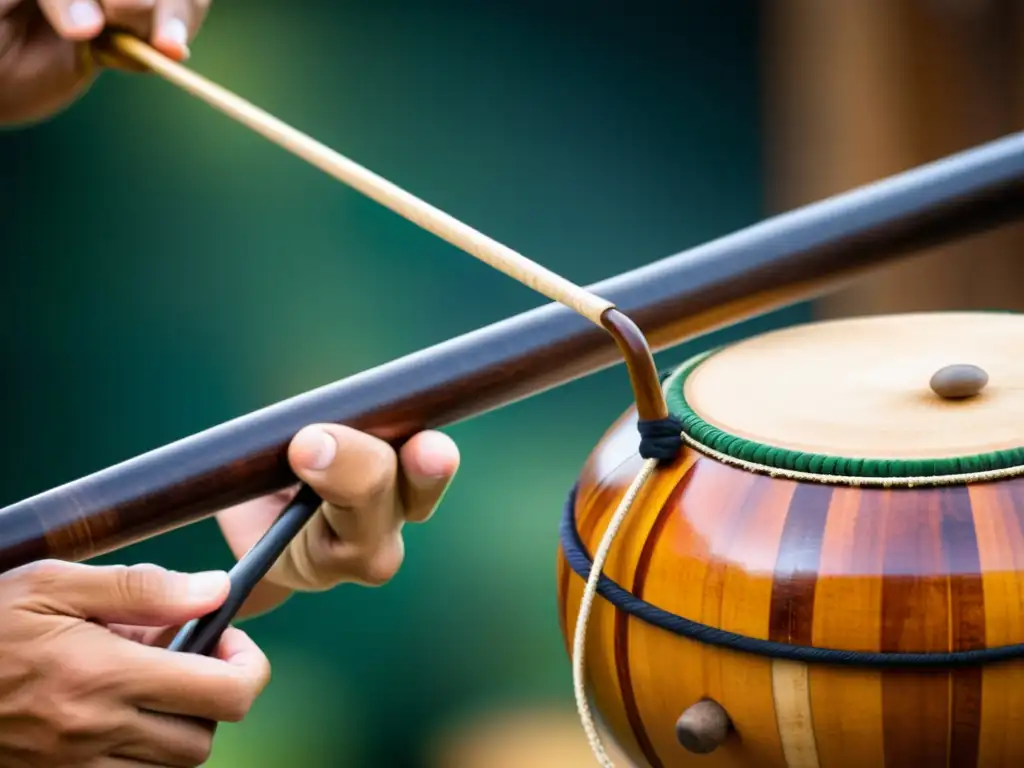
221 687
429 462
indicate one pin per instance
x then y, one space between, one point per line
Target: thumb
146 595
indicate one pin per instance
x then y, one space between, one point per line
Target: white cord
586 605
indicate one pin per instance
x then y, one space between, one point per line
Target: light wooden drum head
924 395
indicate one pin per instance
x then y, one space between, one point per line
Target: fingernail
436 457
316 448
175 31
203 586
84 14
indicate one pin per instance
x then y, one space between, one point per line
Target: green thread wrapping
783 458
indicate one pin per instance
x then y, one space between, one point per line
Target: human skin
85 679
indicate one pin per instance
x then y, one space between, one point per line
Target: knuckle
383 564
237 706
56 704
39 717
234 710
199 748
64 724
244 693
35 743
377 478
83 676
40 576
262 677
76 670
79 722
143 582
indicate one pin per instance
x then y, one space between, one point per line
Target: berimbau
801 550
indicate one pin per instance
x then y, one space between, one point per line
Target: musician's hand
369 492
77 692
44 54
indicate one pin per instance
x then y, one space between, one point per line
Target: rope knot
661 439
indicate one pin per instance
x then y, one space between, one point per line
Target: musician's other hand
370 492
77 692
45 62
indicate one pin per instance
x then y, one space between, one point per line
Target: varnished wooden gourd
822 554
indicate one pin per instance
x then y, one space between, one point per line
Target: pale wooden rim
873 482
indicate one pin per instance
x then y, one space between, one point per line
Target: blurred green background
164 270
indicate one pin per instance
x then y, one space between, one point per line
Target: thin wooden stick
791 258
476 244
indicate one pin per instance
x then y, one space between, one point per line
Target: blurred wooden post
535 737
860 89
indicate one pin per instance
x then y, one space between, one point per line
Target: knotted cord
579 643
661 440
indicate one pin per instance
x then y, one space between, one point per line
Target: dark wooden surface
778 262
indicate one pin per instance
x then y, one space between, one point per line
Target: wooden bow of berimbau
781 261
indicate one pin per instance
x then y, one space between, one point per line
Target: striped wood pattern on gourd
863 569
